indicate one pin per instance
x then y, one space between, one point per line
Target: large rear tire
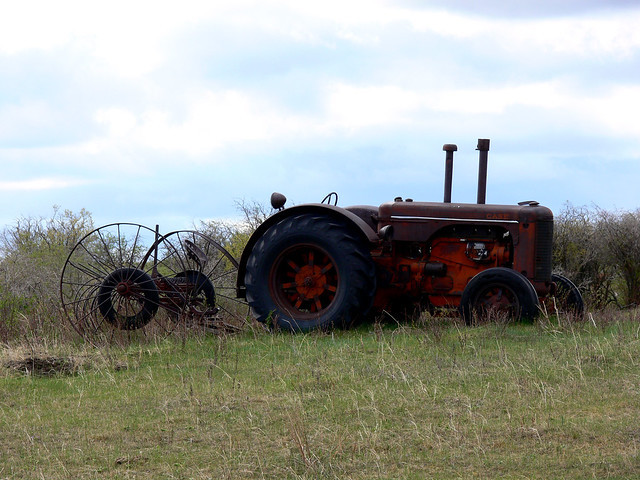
499 293
310 272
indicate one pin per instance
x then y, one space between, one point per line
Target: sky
169 113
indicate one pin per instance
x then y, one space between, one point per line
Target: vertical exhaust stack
483 147
448 170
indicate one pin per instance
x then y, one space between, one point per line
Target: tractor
319 266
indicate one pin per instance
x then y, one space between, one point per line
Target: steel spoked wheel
308 272
199 293
105 292
304 279
499 294
197 279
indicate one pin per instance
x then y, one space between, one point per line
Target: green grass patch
431 401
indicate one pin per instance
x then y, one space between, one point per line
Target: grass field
432 400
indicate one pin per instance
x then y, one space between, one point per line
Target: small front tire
498 293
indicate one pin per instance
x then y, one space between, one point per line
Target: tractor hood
407 216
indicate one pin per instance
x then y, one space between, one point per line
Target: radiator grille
544 250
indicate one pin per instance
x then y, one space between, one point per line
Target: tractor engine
442 267
432 250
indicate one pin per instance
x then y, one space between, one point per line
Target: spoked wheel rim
93 260
128 299
200 281
304 279
496 300
199 294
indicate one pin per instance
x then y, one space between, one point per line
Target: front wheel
567 299
499 293
308 272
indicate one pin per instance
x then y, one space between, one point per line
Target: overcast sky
167 112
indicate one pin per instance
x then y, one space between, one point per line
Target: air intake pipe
448 170
483 147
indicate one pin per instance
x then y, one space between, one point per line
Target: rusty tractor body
319 265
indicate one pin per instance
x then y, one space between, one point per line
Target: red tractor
319 265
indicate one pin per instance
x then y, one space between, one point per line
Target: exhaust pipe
448 170
483 147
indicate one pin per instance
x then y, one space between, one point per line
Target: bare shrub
234 235
32 254
619 233
600 251
578 254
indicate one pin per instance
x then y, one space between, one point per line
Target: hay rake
125 279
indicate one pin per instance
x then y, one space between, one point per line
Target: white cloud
356 107
120 36
616 111
353 107
129 39
232 117
29 118
212 120
494 100
603 34
607 34
225 118
39 184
